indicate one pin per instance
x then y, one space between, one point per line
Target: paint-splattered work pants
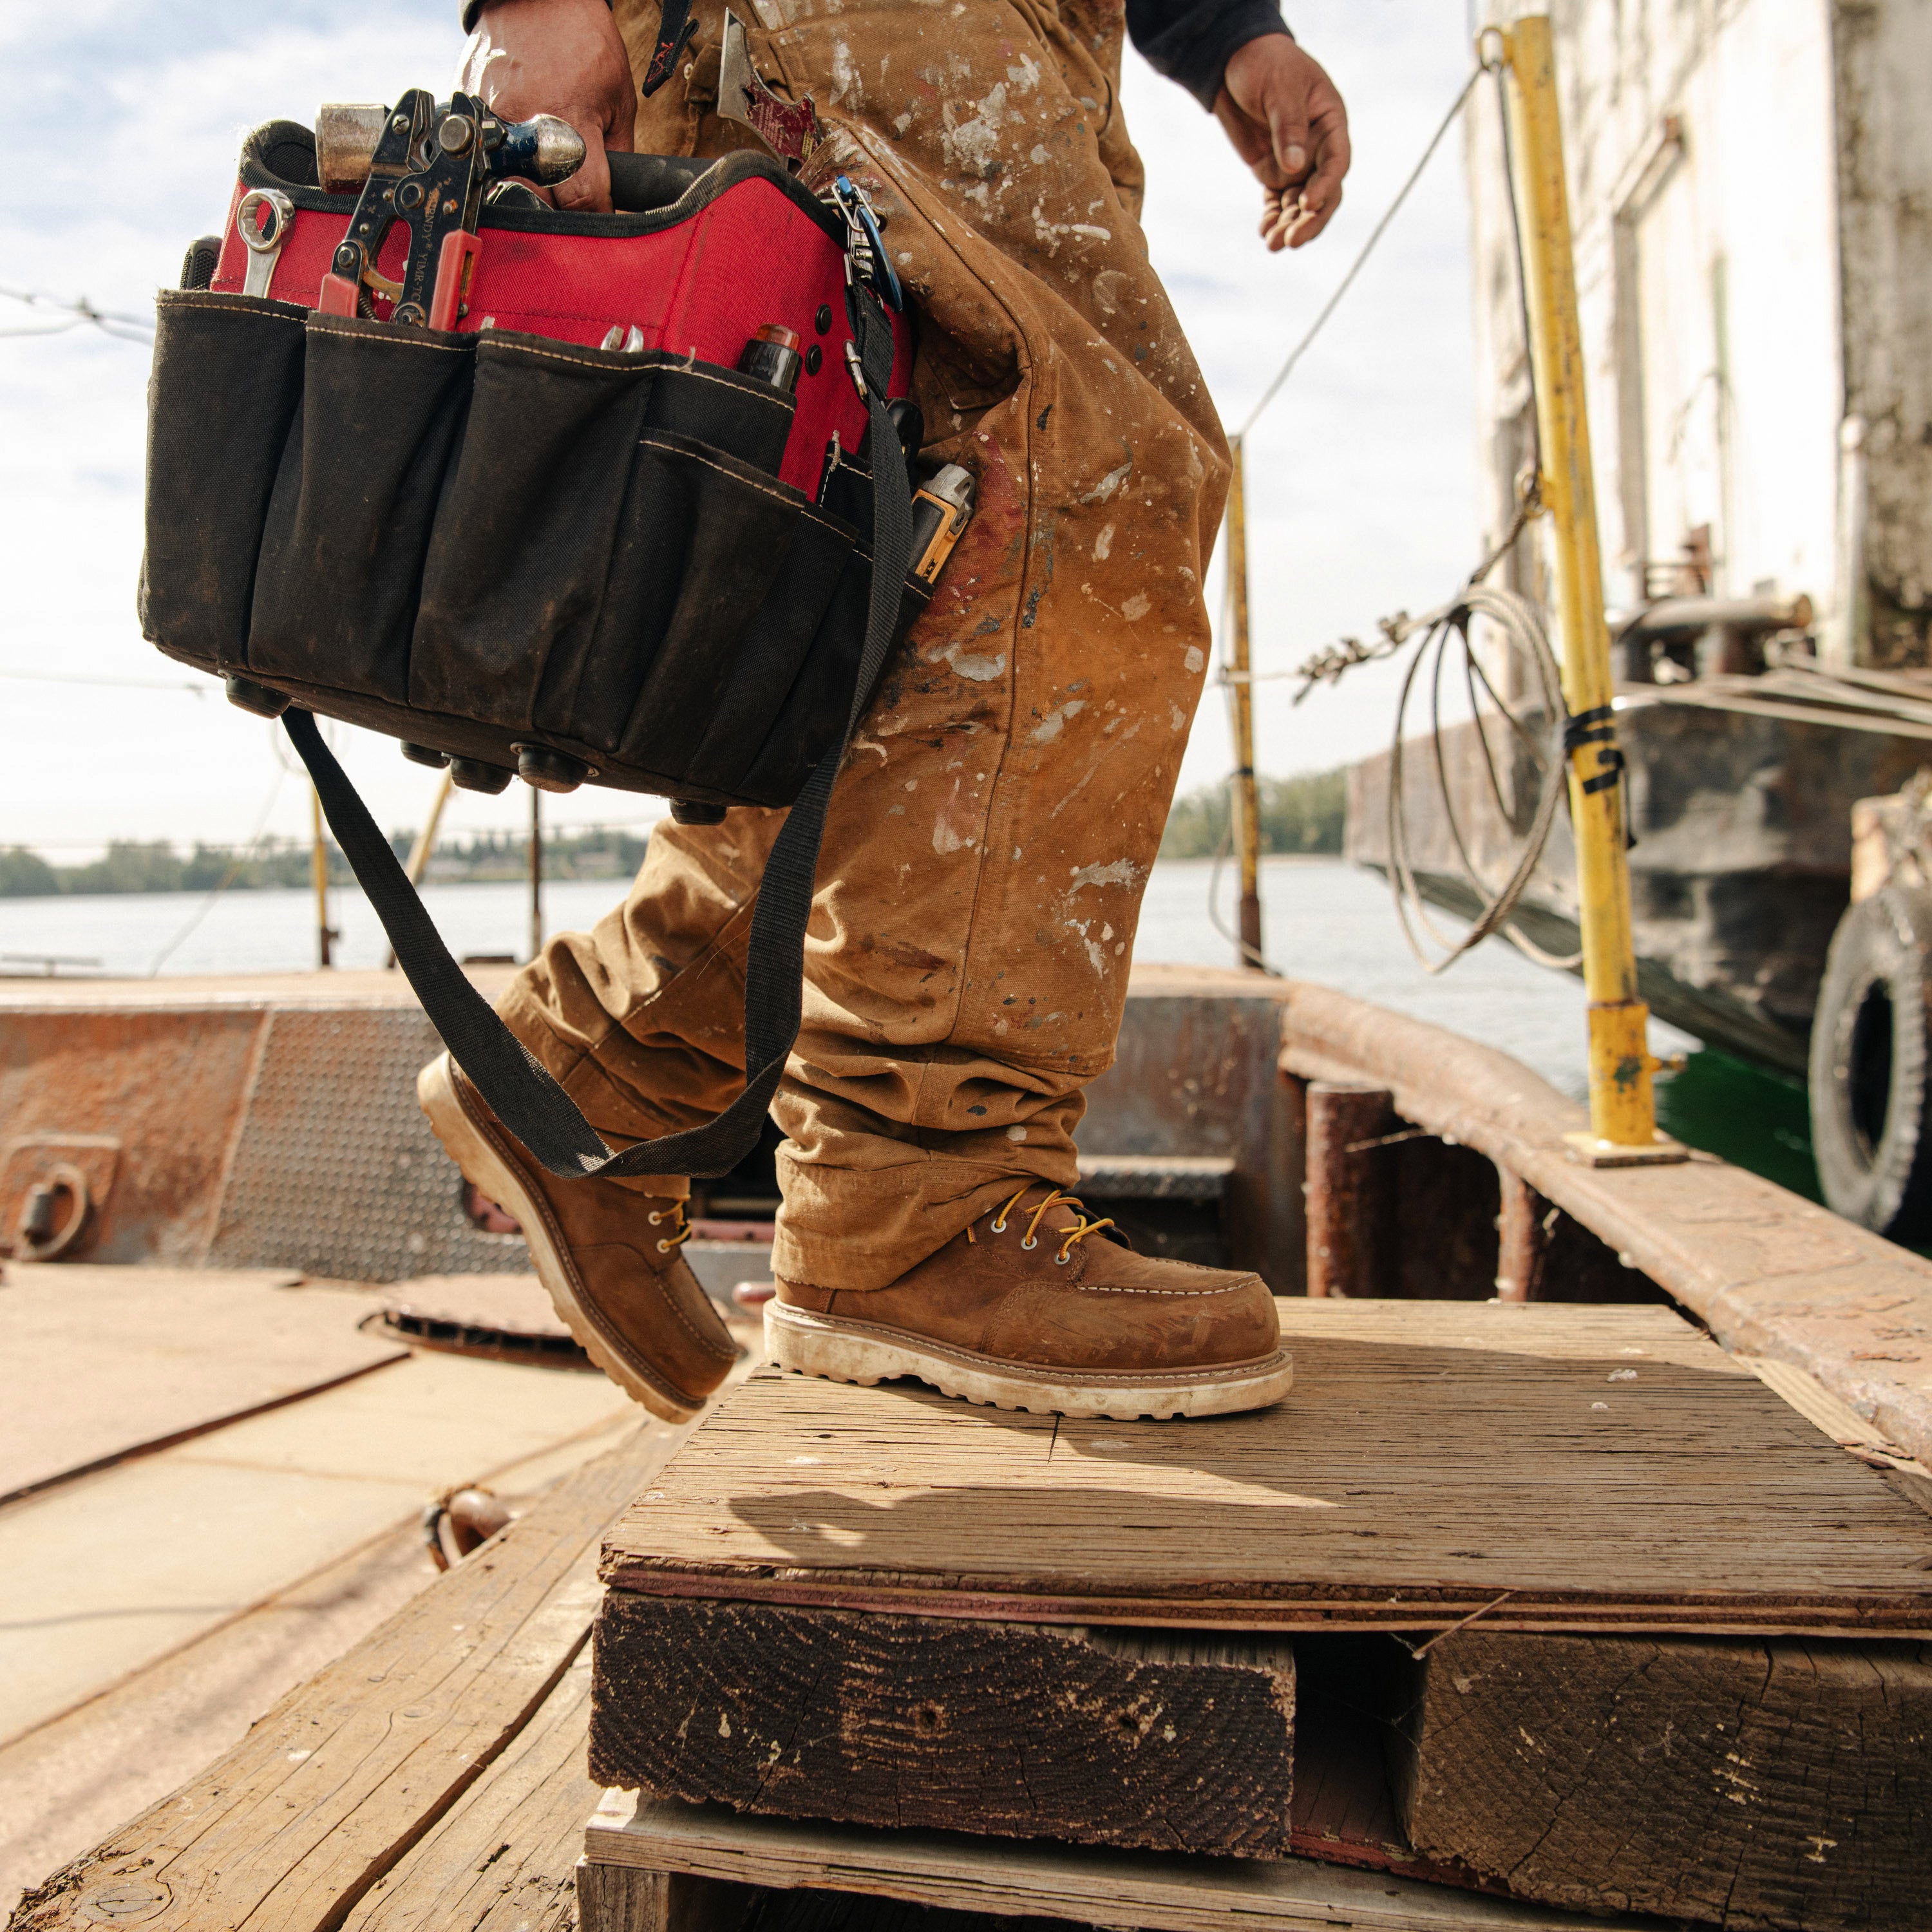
991 832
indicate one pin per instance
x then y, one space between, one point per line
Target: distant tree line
1297 814
136 865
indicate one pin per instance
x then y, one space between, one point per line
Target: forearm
1190 41
472 11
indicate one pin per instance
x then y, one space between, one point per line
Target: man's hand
1287 121
561 57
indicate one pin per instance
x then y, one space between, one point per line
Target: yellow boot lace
674 1212
1074 1235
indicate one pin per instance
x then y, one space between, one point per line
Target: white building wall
1884 119
1699 137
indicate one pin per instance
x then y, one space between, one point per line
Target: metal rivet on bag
814 360
822 321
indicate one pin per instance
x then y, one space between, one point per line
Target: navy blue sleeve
1190 41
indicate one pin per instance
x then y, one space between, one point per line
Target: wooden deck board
1769 1273
1783 1784
503 1860
1165 1740
1548 1467
288 1831
1116 1888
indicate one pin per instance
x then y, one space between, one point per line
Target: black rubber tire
1871 1054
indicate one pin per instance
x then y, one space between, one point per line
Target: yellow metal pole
1623 1116
318 871
536 872
421 852
1247 817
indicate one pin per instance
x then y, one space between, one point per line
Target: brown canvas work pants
991 834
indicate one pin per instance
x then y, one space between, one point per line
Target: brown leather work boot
608 1256
1033 1306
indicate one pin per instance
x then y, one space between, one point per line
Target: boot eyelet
663 1247
1029 1244
653 1219
1061 1260
997 1227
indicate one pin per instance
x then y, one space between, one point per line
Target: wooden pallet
1558 1599
1548 1468
664 1867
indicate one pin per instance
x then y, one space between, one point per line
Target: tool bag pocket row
533 536
482 540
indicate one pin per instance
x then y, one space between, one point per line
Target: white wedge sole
843 1351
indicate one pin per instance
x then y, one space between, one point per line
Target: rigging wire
77 313
1536 735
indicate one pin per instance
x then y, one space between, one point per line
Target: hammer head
543 149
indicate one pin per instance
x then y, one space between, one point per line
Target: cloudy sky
128 115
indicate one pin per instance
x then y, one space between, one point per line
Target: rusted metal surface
238 1124
272 1122
1522 1238
1347 1198
502 1318
1194 1073
54 1192
1769 1273
166 1086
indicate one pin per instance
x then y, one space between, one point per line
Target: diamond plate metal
336 1171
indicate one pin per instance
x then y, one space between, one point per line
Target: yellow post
318 872
536 872
1247 818
421 852
1623 1116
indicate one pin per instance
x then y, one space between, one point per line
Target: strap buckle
865 263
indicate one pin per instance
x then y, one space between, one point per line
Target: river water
1325 921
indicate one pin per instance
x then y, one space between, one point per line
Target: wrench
263 245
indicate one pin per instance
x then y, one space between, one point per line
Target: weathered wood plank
1161 1893
287 1831
1776 1785
1551 1466
1163 1740
1771 1274
621 1898
504 1858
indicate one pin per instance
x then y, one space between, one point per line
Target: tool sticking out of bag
427 168
791 131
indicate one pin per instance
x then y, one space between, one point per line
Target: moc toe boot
1035 1306
608 1256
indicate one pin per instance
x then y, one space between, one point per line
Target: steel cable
1539 737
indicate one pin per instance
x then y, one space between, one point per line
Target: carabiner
866 246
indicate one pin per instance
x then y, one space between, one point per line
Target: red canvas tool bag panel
505 536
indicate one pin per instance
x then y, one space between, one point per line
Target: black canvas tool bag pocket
485 541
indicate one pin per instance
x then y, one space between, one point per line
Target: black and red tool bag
508 545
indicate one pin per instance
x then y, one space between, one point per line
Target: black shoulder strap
521 1094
